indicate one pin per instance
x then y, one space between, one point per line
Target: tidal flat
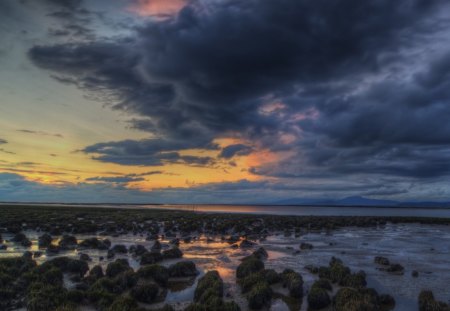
79 258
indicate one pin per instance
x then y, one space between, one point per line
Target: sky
224 101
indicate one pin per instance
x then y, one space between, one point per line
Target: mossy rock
146 293
172 253
249 266
294 282
44 297
183 269
115 268
318 298
159 274
210 285
259 296
151 258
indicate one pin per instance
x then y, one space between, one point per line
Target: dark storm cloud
232 150
206 73
150 152
3 141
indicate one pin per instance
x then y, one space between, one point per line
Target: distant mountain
359 201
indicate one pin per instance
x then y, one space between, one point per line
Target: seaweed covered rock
306 246
395 268
246 244
261 253
137 250
68 242
96 272
119 249
69 265
427 302
45 240
349 299
151 258
172 253
335 272
146 293
157 273
381 261
294 283
259 296
117 267
22 239
209 287
124 304
44 297
183 269
268 276
95 243
356 280
156 246
318 297
209 295
248 266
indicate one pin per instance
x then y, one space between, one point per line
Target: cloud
355 95
232 150
42 133
3 141
150 152
118 180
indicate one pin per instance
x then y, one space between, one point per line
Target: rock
157 273
94 243
52 249
117 267
381 261
261 253
175 241
85 257
172 253
137 250
306 246
151 258
395 268
110 254
45 240
294 282
68 242
259 296
247 244
21 239
156 246
119 249
96 272
428 303
318 298
145 293
249 266
415 273
183 269
37 254
3 247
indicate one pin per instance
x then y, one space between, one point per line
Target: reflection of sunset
157 7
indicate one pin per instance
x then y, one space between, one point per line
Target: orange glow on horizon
157 7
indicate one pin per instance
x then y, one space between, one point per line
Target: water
425 248
279 209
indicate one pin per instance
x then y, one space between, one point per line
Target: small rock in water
305 246
415 273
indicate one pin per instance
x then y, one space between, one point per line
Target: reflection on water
425 248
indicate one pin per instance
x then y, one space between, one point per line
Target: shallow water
294 210
425 248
